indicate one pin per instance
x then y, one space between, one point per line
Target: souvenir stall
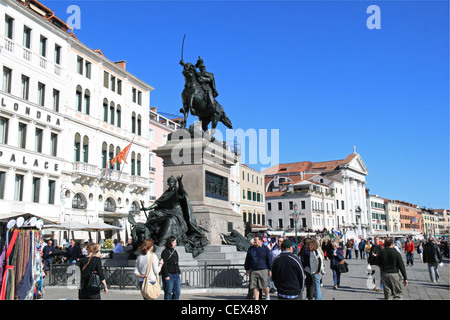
21 272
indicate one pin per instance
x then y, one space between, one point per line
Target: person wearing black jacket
373 259
433 257
89 264
170 270
47 255
288 274
73 254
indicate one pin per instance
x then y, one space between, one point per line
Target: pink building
159 129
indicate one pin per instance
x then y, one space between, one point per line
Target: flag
414 219
122 155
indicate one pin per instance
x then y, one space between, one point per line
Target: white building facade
66 110
328 195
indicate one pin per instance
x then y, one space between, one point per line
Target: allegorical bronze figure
172 215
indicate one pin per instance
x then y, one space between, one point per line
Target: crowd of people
295 269
274 265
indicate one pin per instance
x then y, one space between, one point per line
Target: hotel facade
65 112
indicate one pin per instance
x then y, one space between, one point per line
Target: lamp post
295 215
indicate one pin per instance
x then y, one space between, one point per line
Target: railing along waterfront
122 278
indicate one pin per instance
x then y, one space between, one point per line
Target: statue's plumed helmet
199 63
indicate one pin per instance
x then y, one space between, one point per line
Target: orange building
410 216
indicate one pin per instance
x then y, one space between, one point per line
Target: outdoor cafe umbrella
101 226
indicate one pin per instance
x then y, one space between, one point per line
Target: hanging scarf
8 268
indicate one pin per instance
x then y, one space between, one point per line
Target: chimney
121 64
153 109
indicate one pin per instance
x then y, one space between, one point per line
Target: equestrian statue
199 95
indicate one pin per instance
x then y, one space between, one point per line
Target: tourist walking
420 250
313 264
287 273
356 248
91 263
142 261
170 270
409 251
335 257
433 257
258 262
375 249
276 250
362 249
348 249
367 249
391 263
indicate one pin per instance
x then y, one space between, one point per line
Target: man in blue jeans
170 271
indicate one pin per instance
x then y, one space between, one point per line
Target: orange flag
122 155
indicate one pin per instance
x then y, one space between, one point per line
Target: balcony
84 173
20 51
114 179
138 184
9 45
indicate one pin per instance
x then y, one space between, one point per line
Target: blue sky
311 69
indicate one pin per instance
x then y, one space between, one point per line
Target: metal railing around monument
123 278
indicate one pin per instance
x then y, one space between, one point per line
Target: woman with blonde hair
91 263
140 269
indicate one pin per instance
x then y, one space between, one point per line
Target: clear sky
311 69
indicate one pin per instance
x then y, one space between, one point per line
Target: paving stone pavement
353 287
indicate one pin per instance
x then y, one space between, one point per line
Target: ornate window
79 201
134 209
110 205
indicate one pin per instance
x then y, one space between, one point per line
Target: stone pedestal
205 167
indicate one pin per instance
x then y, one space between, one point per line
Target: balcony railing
25 53
9 45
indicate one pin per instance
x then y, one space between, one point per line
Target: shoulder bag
148 290
343 266
94 283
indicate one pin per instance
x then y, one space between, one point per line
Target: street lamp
295 215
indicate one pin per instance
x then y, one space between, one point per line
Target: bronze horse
195 101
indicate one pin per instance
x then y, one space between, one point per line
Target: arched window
117 164
139 125
110 205
79 201
85 149
111 154
138 165
78 98
104 155
133 122
87 101
134 209
77 147
119 115
112 111
133 163
105 110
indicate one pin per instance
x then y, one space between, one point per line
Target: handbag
148 290
343 266
94 283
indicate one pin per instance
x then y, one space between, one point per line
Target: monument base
205 167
